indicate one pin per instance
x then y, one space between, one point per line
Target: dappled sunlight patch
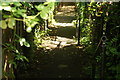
67 11
63 24
60 42
79 47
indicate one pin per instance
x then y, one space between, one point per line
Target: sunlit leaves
26 4
44 15
17 4
30 17
7 8
13 63
13 9
45 9
51 6
20 12
40 7
11 23
21 58
3 24
24 42
5 3
28 29
30 21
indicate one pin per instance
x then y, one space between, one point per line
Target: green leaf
17 51
19 57
20 12
24 15
21 43
113 50
30 17
13 63
7 8
47 9
3 24
33 24
29 29
11 23
25 58
13 9
17 4
40 7
51 5
5 3
26 44
22 40
44 15
45 3
98 15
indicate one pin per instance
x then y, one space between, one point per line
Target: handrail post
103 39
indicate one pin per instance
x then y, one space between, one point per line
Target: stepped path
61 57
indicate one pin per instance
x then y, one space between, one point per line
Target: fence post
103 39
79 33
0 49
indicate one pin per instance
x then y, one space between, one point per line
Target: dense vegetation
23 22
26 23
99 21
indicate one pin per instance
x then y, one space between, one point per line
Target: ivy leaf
29 29
11 23
3 24
44 15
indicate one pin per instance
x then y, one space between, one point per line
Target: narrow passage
61 57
